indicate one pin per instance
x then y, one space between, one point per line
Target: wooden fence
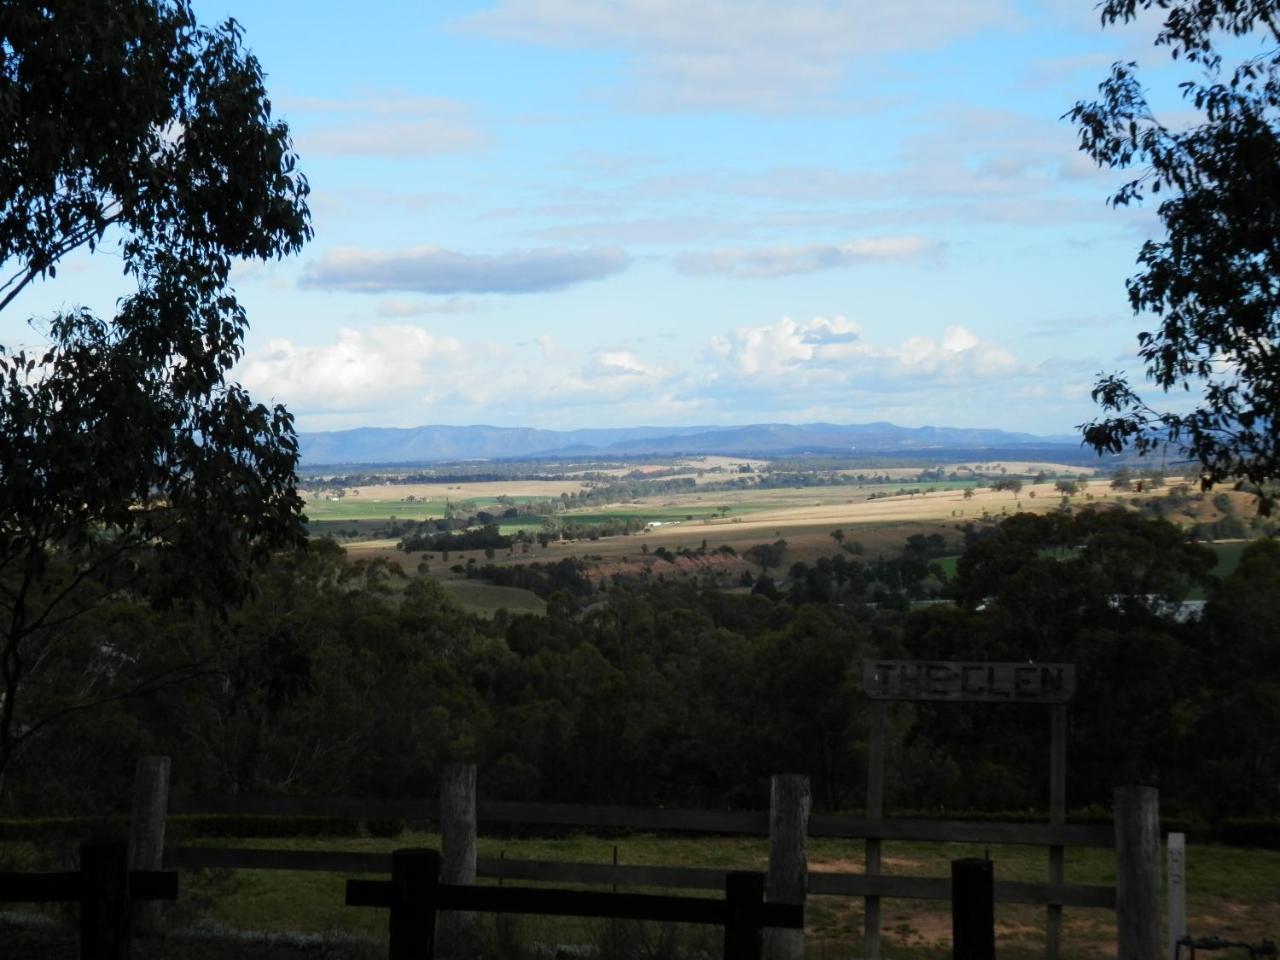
788 823
415 897
106 889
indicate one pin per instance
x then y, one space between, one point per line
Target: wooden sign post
1051 684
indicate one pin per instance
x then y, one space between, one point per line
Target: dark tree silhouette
130 464
1213 280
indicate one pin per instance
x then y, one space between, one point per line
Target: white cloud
616 363
742 54
362 370
782 347
438 271
833 351
784 260
957 356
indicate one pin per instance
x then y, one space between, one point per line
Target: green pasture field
486 599
373 509
1233 893
1228 556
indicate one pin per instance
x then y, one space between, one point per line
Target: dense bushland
345 678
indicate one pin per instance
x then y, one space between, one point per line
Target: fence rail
107 891
749 822
415 896
820 882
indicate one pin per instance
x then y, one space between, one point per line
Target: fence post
875 810
744 896
973 909
1177 856
146 831
789 802
104 900
415 874
457 843
1137 812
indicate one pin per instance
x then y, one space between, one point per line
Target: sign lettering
973 682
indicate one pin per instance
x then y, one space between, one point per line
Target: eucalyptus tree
130 463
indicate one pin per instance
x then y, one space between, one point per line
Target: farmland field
485 599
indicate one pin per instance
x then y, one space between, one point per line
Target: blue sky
574 213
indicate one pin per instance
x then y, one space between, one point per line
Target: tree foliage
131 466
1213 279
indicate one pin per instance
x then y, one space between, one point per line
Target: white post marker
1177 854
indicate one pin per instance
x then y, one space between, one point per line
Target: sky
588 213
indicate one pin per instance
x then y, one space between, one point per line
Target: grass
1232 892
486 599
356 509
1228 556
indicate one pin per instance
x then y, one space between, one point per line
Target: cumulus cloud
616 363
784 260
742 54
835 350
782 347
361 370
438 271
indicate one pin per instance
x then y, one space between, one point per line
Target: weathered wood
576 903
146 832
40 887
1137 812
104 900
600 874
641 818
624 875
744 900
789 803
245 858
353 808
638 818
1177 894
973 911
964 831
875 810
939 888
153 885
457 846
1057 817
415 878
968 682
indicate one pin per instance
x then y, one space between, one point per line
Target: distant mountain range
430 444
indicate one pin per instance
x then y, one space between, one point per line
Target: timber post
104 900
744 898
875 811
1137 812
147 817
415 875
457 843
789 803
973 909
1176 853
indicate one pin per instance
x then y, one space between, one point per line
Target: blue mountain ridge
439 443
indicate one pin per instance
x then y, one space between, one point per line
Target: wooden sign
969 682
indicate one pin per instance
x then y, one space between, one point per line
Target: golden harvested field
982 468
803 517
399 492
